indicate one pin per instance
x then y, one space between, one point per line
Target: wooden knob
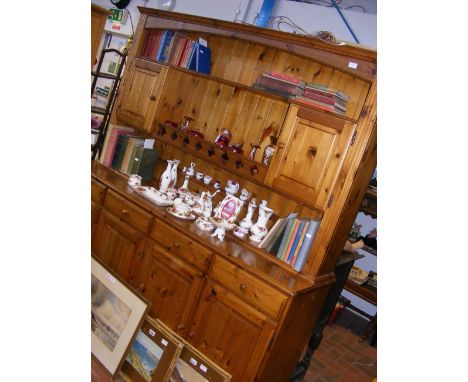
125 212
280 146
243 287
152 98
312 150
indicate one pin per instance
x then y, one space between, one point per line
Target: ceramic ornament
246 223
165 179
174 173
259 229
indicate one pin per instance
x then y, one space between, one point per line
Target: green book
148 161
119 153
136 160
287 233
290 238
137 142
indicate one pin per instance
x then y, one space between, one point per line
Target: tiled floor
342 358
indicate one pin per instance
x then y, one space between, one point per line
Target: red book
182 50
155 45
285 77
323 98
281 86
110 148
299 244
145 49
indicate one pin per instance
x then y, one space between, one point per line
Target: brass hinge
330 201
353 138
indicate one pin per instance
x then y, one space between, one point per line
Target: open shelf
146 63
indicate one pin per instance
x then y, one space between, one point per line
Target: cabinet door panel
171 286
119 246
140 97
310 157
230 332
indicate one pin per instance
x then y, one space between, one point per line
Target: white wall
312 18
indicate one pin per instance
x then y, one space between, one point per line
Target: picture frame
193 366
116 315
152 355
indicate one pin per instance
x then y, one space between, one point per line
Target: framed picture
193 366
116 314
152 355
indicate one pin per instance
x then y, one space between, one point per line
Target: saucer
174 212
222 223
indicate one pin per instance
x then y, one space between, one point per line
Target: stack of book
176 49
280 84
291 239
324 98
124 151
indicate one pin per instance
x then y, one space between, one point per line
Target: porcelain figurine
165 179
232 187
223 139
244 195
253 151
191 170
174 173
185 184
246 223
269 151
208 204
259 229
219 233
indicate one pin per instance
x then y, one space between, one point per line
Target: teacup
134 180
171 193
217 185
207 179
180 207
199 176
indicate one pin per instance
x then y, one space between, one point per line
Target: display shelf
147 63
364 291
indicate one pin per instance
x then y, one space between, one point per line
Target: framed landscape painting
152 354
116 315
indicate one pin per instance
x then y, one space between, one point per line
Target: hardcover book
291 239
138 143
110 148
306 245
295 241
148 161
299 244
274 243
270 233
281 86
119 151
136 160
285 239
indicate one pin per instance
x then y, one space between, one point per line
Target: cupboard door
171 287
119 246
140 96
311 149
95 211
231 333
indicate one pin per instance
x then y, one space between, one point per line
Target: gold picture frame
153 353
193 366
116 315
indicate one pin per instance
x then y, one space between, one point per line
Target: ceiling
366 6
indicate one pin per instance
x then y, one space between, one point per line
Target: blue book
306 245
203 59
165 41
296 241
161 45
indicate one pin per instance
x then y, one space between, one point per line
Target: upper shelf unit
238 58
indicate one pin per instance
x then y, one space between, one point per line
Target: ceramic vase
269 151
259 229
173 182
165 179
247 221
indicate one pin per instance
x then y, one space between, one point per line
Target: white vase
259 229
165 179
247 221
173 182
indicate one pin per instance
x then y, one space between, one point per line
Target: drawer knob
125 212
243 287
152 98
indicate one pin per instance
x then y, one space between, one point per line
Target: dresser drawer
97 191
181 245
128 211
251 289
